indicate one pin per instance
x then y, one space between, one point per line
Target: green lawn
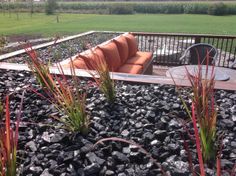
76 23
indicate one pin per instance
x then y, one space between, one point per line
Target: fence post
197 39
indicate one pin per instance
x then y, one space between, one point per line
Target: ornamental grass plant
39 69
65 94
203 112
203 104
101 75
9 142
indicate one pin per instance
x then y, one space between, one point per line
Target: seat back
200 53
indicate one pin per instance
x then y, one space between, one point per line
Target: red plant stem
190 160
18 120
8 145
199 153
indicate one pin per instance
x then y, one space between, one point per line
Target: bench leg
149 70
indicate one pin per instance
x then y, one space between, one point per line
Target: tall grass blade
198 145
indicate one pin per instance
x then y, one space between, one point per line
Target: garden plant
203 112
102 77
65 94
131 128
9 141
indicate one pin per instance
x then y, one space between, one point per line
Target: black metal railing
168 48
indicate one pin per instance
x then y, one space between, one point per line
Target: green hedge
121 9
211 8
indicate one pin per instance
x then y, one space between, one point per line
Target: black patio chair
233 65
199 52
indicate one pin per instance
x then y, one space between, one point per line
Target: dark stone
120 157
174 148
134 148
52 164
109 173
126 150
233 96
54 137
138 125
148 136
122 174
120 168
176 106
80 172
125 133
226 163
55 146
36 170
110 162
160 134
155 142
228 123
94 168
98 126
87 148
40 156
151 116
233 144
136 157
130 171
93 158
46 173
31 145
174 123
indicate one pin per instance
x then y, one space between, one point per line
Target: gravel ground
148 114
64 50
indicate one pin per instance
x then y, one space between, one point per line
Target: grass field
76 23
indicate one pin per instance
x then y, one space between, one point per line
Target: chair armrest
232 65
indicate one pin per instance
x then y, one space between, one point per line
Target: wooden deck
160 70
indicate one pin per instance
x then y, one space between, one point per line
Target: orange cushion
141 58
91 57
132 43
130 68
123 48
77 62
111 54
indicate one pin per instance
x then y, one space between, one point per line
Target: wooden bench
120 53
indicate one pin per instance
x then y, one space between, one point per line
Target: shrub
195 8
156 8
231 9
121 9
217 9
50 7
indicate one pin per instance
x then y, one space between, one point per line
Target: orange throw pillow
123 48
77 63
132 43
93 56
112 56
